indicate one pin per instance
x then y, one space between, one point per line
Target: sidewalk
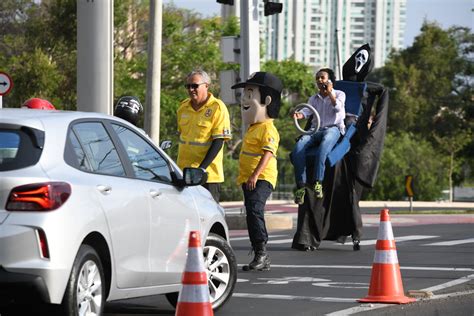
282 214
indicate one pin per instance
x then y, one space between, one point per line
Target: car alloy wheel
85 290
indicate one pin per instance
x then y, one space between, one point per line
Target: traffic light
229 2
272 8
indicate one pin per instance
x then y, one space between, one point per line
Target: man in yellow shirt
260 104
203 126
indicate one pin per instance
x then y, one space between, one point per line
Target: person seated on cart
329 103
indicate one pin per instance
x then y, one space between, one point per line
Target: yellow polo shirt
197 130
260 137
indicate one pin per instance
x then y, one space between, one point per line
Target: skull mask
361 58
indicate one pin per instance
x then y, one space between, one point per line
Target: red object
193 298
46 196
38 104
386 281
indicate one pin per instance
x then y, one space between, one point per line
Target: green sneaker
299 196
318 189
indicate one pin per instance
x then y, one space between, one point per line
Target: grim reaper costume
353 168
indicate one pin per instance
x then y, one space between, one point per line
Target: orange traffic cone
386 281
193 299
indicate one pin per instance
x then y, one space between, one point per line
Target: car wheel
85 289
221 269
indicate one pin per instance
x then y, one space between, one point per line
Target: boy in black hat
260 104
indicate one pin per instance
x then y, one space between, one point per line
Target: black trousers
215 189
254 202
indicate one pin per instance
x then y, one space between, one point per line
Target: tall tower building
315 31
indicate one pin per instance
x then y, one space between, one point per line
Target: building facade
325 33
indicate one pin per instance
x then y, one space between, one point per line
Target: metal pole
153 84
250 41
411 204
95 26
338 48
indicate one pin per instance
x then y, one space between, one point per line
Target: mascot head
261 97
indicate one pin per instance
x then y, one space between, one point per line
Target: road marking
315 266
247 237
364 242
295 298
397 239
343 285
281 241
369 307
450 283
452 242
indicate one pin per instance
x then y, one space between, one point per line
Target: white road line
247 237
450 283
315 266
397 239
281 241
369 307
295 298
452 242
363 242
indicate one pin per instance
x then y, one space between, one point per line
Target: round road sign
6 83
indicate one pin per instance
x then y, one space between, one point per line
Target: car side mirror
166 144
194 176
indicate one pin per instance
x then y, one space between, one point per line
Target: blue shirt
329 114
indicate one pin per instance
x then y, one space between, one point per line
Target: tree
407 154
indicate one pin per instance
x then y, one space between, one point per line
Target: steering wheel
316 119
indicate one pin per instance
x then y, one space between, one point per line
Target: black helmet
129 109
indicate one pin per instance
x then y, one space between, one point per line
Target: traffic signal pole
250 41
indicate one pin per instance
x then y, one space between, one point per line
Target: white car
91 210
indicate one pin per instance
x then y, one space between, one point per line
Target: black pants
254 206
215 189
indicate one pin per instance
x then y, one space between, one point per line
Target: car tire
219 260
85 292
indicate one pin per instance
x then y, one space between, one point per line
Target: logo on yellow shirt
208 113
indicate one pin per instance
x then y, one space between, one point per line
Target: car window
98 148
19 148
81 160
148 164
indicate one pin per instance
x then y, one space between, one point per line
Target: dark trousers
254 202
215 189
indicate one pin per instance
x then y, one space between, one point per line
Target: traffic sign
6 83
409 186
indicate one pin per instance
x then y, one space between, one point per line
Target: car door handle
104 189
155 193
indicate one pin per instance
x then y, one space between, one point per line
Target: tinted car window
19 148
79 157
148 164
98 148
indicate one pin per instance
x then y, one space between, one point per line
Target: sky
445 12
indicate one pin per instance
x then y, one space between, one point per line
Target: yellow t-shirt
197 130
260 137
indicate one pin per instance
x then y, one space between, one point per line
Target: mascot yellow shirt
197 130
260 137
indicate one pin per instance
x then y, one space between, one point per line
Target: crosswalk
284 239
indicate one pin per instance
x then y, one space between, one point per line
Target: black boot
261 261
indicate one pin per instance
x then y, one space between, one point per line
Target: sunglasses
193 86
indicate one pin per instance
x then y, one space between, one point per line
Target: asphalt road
436 258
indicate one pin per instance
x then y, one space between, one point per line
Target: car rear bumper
21 288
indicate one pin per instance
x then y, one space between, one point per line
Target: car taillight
46 196
43 243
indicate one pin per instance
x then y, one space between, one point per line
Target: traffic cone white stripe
195 265
385 231
386 256
195 294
